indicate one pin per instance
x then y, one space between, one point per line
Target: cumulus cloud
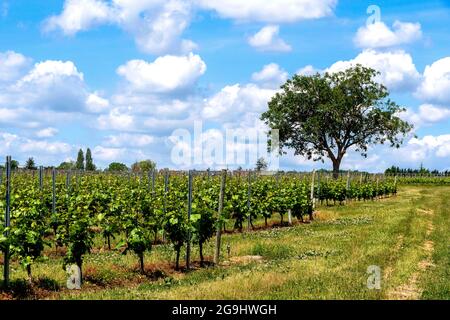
267 39
426 115
271 76
165 74
270 11
130 140
430 146
431 113
47 86
108 154
47 132
12 66
96 104
397 68
435 86
308 70
234 101
55 85
378 35
80 15
120 119
21 147
156 25
45 146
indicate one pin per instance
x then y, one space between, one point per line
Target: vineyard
67 210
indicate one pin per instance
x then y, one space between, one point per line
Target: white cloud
267 39
45 146
308 70
108 154
47 71
47 132
55 85
96 104
397 68
80 15
429 146
435 87
271 76
119 119
270 11
12 65
130 140
165 74
431 113
428 114
156 25
233 101
378 35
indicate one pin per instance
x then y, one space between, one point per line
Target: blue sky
119 76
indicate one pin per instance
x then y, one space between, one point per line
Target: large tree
79 165
90 166
143 166
261 164
30 164
117 167
66 165
325 115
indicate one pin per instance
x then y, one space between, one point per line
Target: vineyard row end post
7 221
312 190
188 245
219 218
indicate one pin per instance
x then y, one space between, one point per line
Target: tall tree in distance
261 164
30 164
90 166
143 166
67 165
325 115
14 164
117 167
79 165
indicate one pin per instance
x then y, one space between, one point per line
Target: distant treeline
421 171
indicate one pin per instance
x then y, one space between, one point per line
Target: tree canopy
117 167
67 165
30 164
324 115
79 165
261 164
143 166
90 166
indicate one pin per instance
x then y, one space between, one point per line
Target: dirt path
410 290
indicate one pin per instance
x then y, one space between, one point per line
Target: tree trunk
177 263
265 221
141 261
79 263
336 166
30 277
201 254
109 242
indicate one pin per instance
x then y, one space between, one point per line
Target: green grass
325 259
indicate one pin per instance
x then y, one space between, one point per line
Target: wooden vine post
188 244
41 177
219 218
7 222
249 194
347 186
313 202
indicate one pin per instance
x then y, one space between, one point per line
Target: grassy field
406 236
